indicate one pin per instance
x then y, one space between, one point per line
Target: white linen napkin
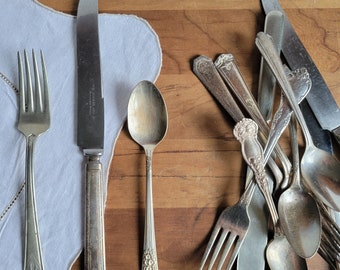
130 52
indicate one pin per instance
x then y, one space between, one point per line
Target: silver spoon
147 124
298 211
320 169
280 255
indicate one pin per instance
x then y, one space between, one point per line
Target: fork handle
94 250
33 254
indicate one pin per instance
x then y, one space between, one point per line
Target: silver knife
90 130
319 98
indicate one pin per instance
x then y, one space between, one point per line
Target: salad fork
34 119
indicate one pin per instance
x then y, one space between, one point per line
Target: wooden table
198 168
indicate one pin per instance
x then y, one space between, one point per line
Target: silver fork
34 119
231 227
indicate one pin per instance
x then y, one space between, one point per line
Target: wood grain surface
198 168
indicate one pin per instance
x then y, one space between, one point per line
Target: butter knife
320 99
90 130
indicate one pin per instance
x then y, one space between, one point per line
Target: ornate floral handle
245 132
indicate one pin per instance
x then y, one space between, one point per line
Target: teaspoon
298 211
147 124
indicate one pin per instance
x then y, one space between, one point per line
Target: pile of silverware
301 194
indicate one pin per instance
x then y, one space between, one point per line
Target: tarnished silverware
252 252
227 67
319 168
231 227
34 119
297 56
280 255
206 71
330 239
273 26
298 211
148 123
301 84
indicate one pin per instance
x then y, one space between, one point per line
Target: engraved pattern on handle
227 67
206 71
149 260
245 132
33 257
149 253
94 216
265 46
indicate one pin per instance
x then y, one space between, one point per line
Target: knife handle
336 134
94 250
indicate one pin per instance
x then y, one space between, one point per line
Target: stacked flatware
311 228
290 206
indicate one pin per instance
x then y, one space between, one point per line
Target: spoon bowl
281 256
298 211
147 115
301 220
147 124
321 171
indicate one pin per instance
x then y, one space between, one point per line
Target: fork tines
32 100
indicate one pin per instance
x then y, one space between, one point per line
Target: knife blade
320 99
90 130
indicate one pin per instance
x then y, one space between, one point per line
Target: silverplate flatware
280 255
229 71
297 56
206 71
319 168
90 131
298 210
252 252
34 119
273 26
148 124
229 232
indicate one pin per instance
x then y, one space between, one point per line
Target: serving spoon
147 124
319 168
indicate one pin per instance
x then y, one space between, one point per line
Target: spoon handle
273 26
149 261
295 151
245 132
267 49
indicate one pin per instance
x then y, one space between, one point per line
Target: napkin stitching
21 188
11 207
6 80
12 202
